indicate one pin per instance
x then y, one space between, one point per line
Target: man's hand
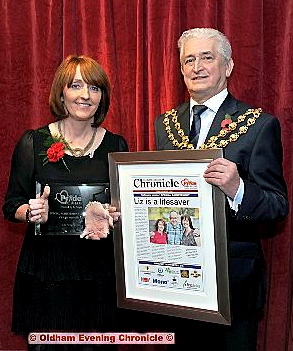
115 215
223 174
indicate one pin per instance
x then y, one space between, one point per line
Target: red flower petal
225 123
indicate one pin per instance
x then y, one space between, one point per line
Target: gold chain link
211 143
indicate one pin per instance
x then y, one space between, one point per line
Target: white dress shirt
213 104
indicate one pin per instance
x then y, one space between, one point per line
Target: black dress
62 283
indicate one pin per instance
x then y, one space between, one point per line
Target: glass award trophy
67 206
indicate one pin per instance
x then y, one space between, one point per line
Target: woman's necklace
77 151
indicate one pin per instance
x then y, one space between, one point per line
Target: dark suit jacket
258 155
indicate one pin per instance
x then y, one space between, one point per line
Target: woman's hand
39 208
97 221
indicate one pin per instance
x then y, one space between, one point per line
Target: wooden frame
177 280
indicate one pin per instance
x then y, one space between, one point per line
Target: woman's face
81 100
185 222
161 226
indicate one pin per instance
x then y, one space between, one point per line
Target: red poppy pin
226 121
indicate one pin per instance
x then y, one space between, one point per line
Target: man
250 174
174 229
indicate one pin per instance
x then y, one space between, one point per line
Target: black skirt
73 306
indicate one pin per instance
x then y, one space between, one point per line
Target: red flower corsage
56 151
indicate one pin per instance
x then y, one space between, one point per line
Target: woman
190 235
64 282
159 235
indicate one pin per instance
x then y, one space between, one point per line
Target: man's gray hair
224 46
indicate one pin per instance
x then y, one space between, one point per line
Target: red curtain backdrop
136 43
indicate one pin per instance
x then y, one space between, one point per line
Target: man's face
173 218
204 69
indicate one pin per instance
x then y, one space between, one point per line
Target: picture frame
172 279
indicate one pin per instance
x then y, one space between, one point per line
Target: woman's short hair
92 73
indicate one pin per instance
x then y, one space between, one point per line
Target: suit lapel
183 117
229 106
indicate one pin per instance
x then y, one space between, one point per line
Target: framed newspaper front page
170 242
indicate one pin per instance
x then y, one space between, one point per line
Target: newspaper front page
169 239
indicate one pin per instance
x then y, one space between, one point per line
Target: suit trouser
241 336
